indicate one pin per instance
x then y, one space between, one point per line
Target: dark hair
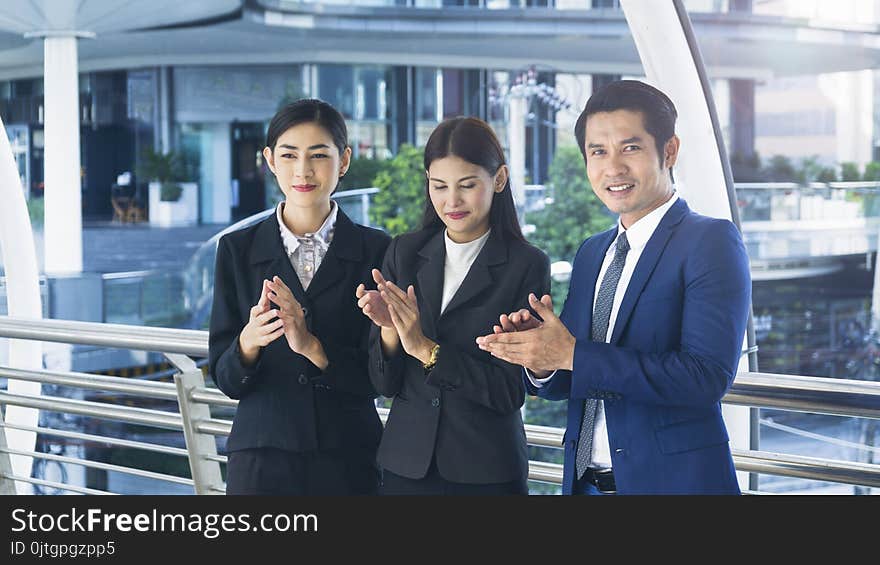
473 140
308 110
658 111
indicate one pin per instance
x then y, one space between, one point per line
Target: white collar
638 234
323 236
464 253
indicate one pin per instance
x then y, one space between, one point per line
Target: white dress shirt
306 251
637 235
459 258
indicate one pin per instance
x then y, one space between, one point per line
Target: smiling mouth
304 187
622 187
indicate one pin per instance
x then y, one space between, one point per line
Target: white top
637 235
459 258
306 251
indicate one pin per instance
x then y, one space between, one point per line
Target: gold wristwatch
433 360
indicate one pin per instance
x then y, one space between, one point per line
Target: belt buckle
604 481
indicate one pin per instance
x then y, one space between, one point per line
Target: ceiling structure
136 34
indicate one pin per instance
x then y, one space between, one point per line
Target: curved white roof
582 41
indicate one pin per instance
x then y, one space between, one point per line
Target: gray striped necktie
601 319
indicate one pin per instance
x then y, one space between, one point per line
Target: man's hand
547 346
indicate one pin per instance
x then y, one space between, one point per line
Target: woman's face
307 164
461 194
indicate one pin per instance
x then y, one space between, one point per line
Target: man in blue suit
651 331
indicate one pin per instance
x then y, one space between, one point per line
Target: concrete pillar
404 101
63 220
742 118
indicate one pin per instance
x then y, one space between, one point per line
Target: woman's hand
264 326
404 312
299 338
372 304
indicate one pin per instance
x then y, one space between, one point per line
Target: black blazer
286 402
466 411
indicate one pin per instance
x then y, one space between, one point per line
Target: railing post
7 486
205 472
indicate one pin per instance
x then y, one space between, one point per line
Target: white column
165 118
63 215
218 184
23 300
853 97
516 133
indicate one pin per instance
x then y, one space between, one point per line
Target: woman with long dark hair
455 425
287 338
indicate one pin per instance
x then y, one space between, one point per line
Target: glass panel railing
812 248
791 221
147 298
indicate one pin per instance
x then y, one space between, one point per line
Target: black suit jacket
286 402
466 410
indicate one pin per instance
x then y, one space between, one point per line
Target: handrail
140 387
864 474
841 397
129 414
819 395
146 446
54 484
143 338
100 465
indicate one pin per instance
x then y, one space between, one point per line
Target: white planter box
184 212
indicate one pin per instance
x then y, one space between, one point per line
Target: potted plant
173 201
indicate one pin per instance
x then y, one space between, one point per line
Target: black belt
602 479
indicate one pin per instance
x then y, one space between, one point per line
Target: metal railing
194 400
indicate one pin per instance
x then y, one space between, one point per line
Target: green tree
575 213
827 174
810 170
780 169
872 202
849 172
872 171
398 206
168 169
746 168
361 174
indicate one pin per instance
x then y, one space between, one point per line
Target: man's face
623 165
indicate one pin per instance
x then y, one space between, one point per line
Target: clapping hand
521 320
372 304
539 346
299 338
264 326
403 310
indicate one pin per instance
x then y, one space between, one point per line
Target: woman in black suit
287 338
455 425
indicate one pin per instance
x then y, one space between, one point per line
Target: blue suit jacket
673 355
